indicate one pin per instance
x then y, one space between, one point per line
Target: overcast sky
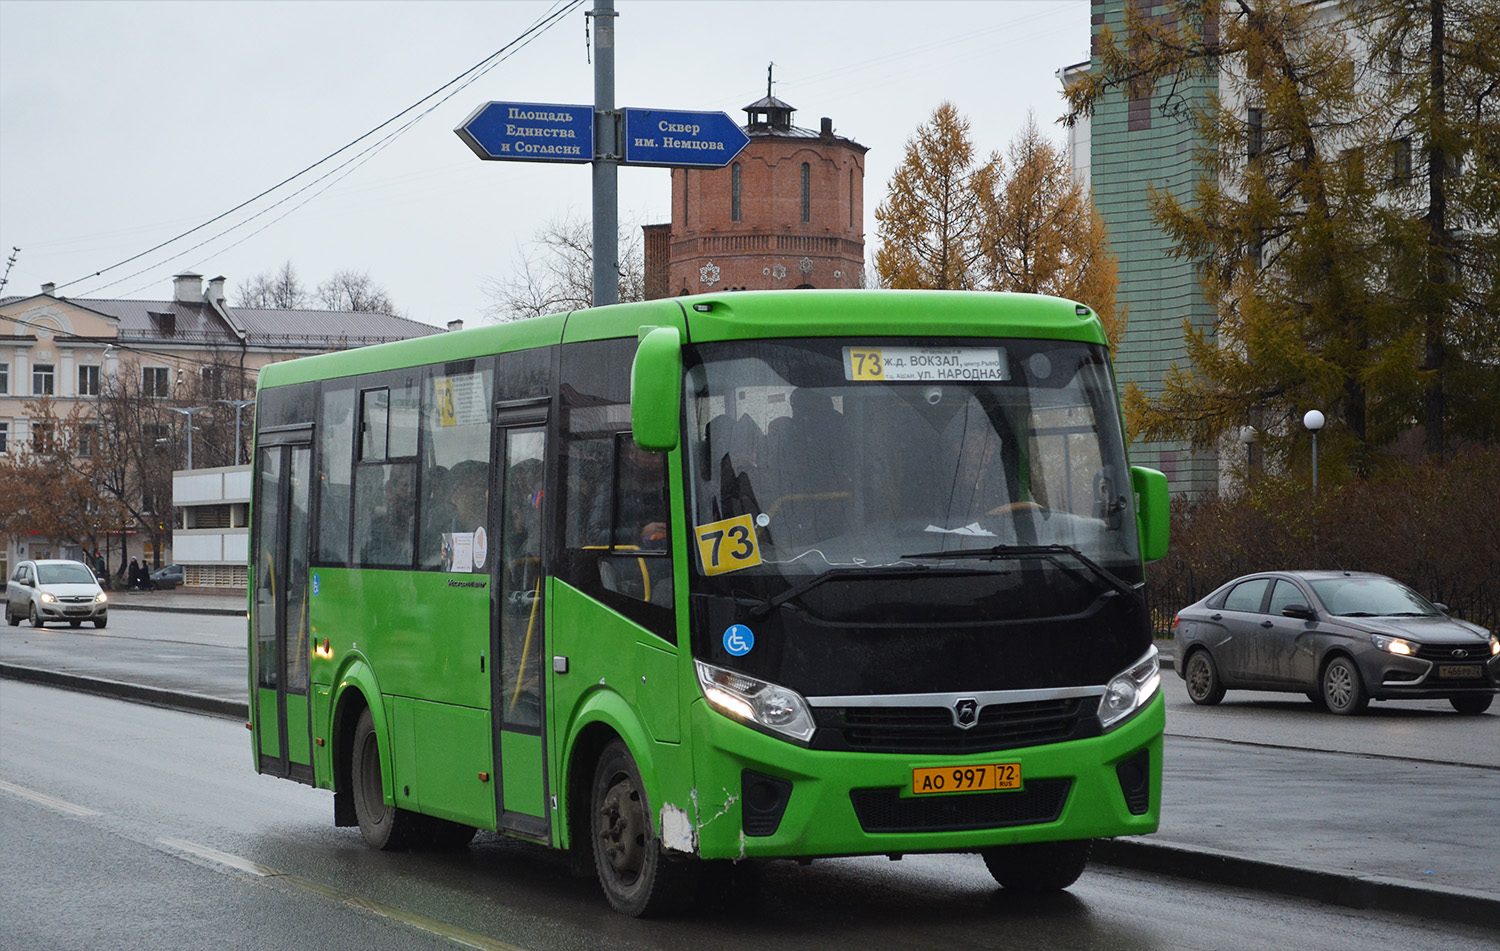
124 123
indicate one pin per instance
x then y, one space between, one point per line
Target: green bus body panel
521 771
298 742
608 684
322 717
357 683
425 637
812 313
266 722
820 818
448 747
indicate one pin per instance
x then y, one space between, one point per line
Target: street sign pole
607 159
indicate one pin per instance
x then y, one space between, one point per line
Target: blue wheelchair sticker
738 640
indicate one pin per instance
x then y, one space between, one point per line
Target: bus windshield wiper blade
802 587
1049 552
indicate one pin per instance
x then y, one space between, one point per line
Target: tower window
734 192
806 192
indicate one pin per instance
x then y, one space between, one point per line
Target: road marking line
43 799
432 926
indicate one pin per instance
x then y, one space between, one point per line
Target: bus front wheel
636 877
1038 866
383 826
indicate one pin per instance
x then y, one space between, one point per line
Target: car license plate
1461 671
952 779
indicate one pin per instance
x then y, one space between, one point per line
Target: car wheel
1038 866
14 620
384 827
1472 706
36 620
1343 690
637 878
1203 683
100 623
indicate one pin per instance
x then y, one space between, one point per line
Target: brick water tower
787 212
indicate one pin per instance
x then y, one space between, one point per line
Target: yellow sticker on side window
728 545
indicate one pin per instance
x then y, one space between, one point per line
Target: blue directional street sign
681 139
530 132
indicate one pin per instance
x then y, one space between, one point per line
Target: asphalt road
133 827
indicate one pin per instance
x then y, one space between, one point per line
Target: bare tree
280 288
556 272
351 290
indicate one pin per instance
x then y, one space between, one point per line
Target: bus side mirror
1151 511
656 390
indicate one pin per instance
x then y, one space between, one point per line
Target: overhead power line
461 81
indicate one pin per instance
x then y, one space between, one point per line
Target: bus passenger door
517 634
282 642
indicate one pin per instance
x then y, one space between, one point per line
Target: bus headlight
767 705
1131 689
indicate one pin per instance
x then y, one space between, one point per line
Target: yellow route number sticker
728 545
863 364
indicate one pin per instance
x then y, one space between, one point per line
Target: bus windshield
863 455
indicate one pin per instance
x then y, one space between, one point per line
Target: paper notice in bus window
926 364
460 399
458 551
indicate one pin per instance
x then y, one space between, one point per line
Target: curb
1373 892
155 696
172 609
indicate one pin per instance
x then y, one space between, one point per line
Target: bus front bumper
756 796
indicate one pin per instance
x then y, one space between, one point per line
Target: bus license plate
1461 671
952 779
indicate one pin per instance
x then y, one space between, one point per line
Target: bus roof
737 315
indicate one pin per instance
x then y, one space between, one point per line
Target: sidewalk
184 600
1350 830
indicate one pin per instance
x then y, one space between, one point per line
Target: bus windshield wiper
1048 552
802 587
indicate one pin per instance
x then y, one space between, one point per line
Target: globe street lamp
1313 420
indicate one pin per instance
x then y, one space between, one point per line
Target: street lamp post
1313 420
188 412
238 405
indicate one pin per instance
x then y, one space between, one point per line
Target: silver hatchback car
55 590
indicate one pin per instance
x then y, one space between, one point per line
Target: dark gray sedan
1344 638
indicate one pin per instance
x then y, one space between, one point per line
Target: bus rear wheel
384 827
1038 866
636 877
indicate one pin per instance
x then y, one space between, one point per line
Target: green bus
689 582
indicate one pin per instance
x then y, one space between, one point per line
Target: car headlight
1394 645
101 597
1131 689
48 597
1494 645
771 706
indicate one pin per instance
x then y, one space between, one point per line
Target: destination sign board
678 139
530 132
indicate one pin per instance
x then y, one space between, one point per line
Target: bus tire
636 877
384 827
1038 866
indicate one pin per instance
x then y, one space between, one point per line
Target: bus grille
1001 726
884 810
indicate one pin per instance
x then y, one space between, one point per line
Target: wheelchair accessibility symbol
738 640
